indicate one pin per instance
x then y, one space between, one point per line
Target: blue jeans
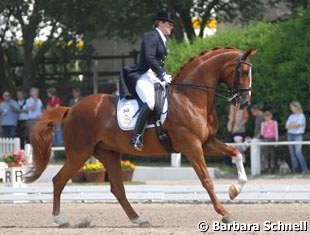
297 158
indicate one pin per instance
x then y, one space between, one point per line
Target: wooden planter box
78 177
126 175
95 176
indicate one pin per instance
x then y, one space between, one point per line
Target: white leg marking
141 222
60 220
242 178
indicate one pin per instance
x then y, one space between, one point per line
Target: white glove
167 78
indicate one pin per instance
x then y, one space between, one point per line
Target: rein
232 93
207 88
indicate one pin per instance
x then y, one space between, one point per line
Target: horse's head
239 79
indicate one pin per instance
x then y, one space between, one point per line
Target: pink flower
6 154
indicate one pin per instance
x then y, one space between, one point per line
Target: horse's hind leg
112 162
215 147
60 180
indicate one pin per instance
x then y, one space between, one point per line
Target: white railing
255 152
255 146
9 145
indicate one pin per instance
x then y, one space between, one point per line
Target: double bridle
233 93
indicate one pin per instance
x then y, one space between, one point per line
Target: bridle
232 94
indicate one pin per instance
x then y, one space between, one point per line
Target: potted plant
127 170
15 159
94 172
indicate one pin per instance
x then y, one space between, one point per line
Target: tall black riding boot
137 139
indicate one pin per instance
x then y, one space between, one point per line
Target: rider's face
166 27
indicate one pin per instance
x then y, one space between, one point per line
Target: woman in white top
295 125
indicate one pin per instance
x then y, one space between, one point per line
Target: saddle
129 105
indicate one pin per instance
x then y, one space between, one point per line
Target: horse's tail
41 137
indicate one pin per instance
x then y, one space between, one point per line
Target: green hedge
281 68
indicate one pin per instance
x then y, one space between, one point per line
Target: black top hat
164 16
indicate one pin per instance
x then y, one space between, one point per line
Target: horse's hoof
141 222
61 221
234 191
65 225
84 223
228 219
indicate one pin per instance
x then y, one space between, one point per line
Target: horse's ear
250 52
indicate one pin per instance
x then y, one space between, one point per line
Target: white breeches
145 88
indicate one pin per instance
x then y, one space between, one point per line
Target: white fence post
16 143
255 157
28 153
176 159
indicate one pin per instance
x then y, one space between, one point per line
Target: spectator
53 102
296 125
34 106
241 148
237 118
76 96
53 99
257 112
9 115
269 133
22 119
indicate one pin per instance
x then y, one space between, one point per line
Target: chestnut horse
91 128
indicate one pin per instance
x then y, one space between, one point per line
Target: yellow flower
127 165
93 166
80 44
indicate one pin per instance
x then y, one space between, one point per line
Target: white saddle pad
127 114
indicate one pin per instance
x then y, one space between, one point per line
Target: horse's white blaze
250 77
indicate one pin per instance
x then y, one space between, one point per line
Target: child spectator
269 133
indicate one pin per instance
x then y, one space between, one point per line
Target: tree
25 21
131 18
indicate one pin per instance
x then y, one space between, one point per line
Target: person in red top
269 133
53 102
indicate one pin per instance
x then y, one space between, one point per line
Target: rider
153 53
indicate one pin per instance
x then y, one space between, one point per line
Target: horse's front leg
196 157
215 147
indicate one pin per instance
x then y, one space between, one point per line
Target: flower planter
126 175
95 176
13 164
78 177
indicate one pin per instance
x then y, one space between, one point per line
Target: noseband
232 94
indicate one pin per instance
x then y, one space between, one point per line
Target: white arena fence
8 145
255 152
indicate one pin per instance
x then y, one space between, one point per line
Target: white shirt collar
162 36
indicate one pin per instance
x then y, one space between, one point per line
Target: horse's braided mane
201 54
